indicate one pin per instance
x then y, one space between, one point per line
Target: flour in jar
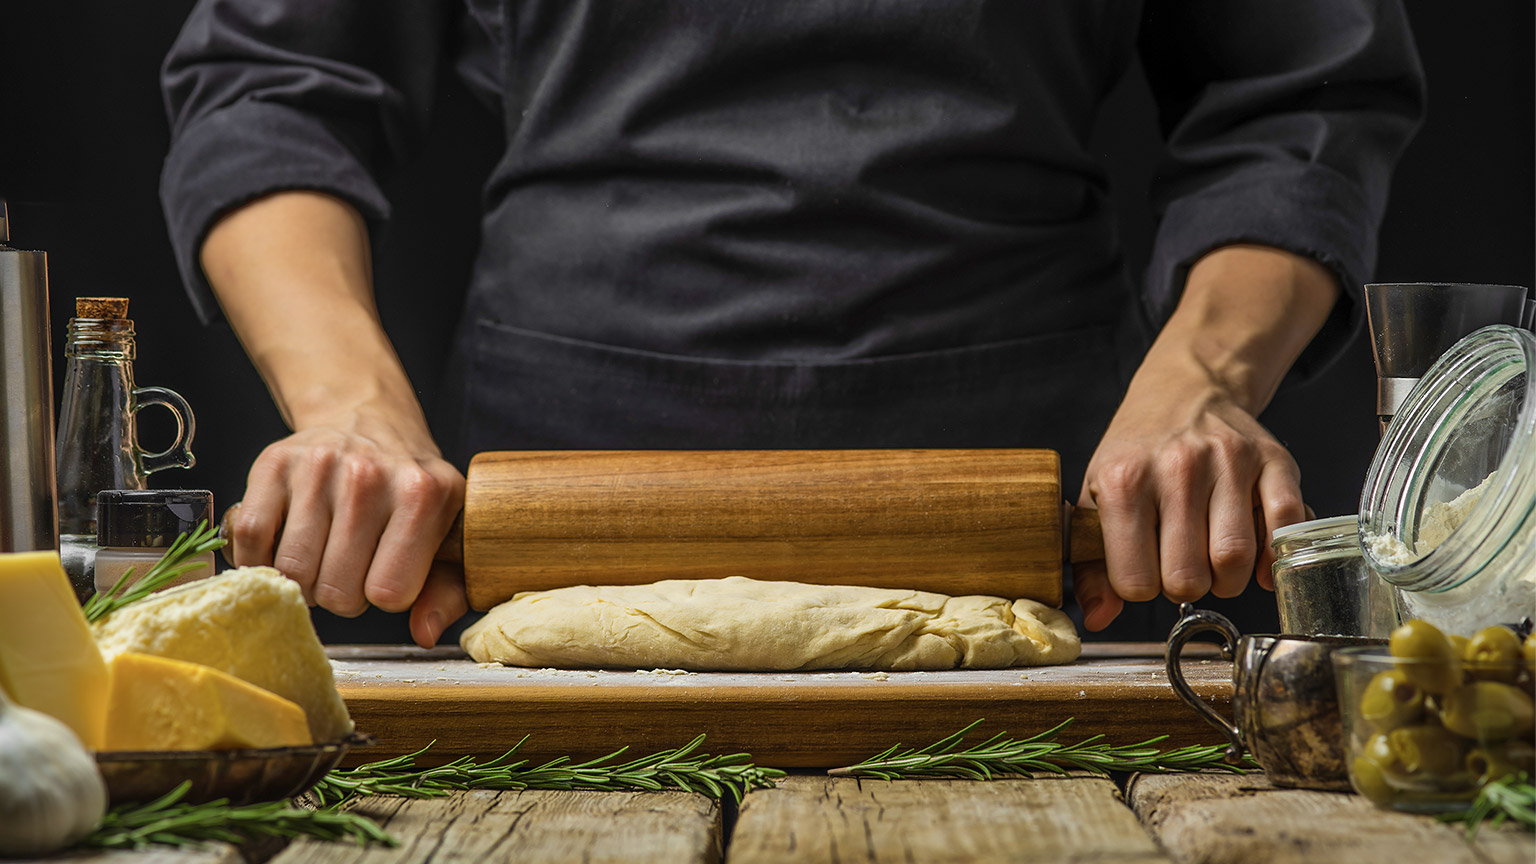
1435 524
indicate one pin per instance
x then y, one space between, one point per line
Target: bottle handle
1192 621
179 454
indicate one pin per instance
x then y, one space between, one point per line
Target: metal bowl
242 776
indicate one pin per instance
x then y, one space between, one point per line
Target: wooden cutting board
408 697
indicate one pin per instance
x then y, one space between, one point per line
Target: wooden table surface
1212 819
810 817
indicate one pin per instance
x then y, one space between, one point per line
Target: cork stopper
101 307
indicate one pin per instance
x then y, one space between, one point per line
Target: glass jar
1425 752
1323 585
1460 457
136 527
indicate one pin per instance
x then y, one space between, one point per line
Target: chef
742 224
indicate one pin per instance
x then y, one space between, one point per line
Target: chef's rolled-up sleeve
1283 122
268 95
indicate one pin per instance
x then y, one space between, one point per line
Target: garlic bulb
51 793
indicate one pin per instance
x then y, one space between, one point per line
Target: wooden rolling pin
951 521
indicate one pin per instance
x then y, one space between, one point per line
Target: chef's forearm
292 274
1246 314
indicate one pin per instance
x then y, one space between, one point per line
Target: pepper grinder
98 446
28 498
1413 323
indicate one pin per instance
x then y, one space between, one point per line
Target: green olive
1426 750
1459 643
1493 654
1529 649
1430 660
1488 711
1391 700
1371 781
1495 760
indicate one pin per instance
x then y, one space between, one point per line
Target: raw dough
739 624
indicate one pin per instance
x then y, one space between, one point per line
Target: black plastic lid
151 518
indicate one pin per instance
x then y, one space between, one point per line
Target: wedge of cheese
48 660
157 703
251 623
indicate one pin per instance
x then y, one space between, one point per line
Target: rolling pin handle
452 548
1084 536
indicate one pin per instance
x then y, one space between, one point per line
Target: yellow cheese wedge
48 660
250 622
163 704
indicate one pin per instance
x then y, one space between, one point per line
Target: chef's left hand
1187 482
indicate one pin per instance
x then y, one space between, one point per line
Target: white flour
1435 524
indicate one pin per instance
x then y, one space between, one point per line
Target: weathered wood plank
212 853
1214 819
815 819
533 826
1505 845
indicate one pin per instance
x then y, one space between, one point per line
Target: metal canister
28 494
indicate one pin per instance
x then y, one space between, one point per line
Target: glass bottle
97 441
1463 443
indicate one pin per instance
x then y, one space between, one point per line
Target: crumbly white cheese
252 623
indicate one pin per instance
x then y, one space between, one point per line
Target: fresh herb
1000 756
716 776
172 564
168 821
1508 798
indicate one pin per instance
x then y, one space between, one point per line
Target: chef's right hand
353 510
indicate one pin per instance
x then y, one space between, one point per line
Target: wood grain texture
1048 819
950 521
407 697
538 827
1244 820
211 853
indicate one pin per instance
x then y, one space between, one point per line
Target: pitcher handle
179 454
1192 621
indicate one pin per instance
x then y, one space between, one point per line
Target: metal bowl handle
1192 621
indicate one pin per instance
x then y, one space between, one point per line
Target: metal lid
149 518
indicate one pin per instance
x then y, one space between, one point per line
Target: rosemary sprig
168 821
731 775
172 564
1508 798
999 755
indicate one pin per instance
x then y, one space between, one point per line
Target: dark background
82 135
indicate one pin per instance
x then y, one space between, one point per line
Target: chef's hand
353 510
355 502
1187 482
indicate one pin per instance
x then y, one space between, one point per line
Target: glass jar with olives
1436 716
1448 510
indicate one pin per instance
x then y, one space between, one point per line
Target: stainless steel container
28 494
1413 323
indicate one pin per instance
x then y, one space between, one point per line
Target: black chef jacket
840 223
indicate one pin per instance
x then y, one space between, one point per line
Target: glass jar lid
1335 533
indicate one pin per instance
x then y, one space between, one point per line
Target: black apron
769 225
